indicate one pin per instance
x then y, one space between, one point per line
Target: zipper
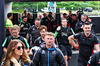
48 58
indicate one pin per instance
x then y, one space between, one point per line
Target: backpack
97 57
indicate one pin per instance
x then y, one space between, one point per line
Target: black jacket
48 57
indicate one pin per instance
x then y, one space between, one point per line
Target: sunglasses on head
19 47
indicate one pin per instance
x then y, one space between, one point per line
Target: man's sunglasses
19 47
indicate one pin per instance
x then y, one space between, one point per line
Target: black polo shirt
86 44
34 32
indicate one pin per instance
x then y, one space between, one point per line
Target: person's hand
14 60
22 25
58 28
77 47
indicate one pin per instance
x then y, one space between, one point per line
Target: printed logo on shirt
43 52
64 34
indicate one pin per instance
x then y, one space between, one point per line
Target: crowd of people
43 43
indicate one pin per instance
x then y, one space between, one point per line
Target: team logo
43 52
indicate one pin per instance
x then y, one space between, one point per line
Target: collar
87 36
64 27
15 38
44 48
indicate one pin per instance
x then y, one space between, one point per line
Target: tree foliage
67 4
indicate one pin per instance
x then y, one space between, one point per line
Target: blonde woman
16 54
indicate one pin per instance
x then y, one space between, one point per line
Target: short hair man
80 23
34 31
48 55
86 41
15 35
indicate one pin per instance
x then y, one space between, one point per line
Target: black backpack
97 54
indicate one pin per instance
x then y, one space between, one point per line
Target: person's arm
9 28
21 26
27 37
71 41
4 45
96 43
28 33
97 47
15 62
27 45
5 50
58 29
71 38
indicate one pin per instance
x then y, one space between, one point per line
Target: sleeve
36 42
26 43
36 58
56 33
60 58
92 61
5 43
77 36
20 25
96 40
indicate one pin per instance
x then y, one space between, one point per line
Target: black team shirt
86 45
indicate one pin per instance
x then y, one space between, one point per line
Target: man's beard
87 33
49 45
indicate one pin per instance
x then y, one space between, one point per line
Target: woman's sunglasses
19 47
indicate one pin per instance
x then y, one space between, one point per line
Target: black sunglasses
19 47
